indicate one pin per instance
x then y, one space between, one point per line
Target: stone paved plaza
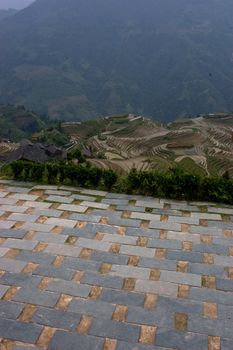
90 270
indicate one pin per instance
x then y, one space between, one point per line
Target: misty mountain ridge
6 13
78 59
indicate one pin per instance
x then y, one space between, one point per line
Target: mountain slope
77 59
6 13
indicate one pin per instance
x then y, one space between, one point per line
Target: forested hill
6 13
77 59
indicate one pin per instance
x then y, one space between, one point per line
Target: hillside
6 13
78 59
201 145
17 123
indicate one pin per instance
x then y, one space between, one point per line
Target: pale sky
14 4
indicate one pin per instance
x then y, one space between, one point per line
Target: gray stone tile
211 295
226 261
130 271
56 318
3 251
218 328
55 272
80 197
93 192
114 329
12 233
186 256
154 263
35 296
81 265
114 238
150 233
110 258
212 249
3 290
183 236
6 224
124 222
20 331
103 280
136 250
73 207
165 225
23 197
74 341
154 317
13 208
93 244
181 278
11 265
38 205
61 222
50 237
37 227
10 310
181 340
97 309
19 244
226 344
224 284
60 199
164 243
57 192
70 288
95 205
62 249
20 280
35 257
157 287
23 217
53 213
84 217
206 269
121 297
115 201
144 216
137 346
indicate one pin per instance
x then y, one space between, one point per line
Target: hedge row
176 184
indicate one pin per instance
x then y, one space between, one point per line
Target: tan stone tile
46 337
115 248
208 258
2 240
203 222
182 266
187 246
58 260
99 236
45 282
121 231
18 224
155 274
150 301
11 292
163 234
29 235
142 241
12 253
86 253
65 215
145 224
210 310
160 253
105 268
41 219
231 251
214 343
228 233
226 218
185 228
209 282
55 205
126 214
57 230
84 324
133 260
27 313
186 214
5 216
181 321
71 240
230 272
129 284
78 276
183 291
147 335
95 292
164 218
30 211
30 267
120 313
40 247
206 239
110 344
63 302
81 224
6 344
104 220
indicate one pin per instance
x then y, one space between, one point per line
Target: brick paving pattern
91 270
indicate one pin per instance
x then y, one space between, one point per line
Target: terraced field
90 270
202 144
